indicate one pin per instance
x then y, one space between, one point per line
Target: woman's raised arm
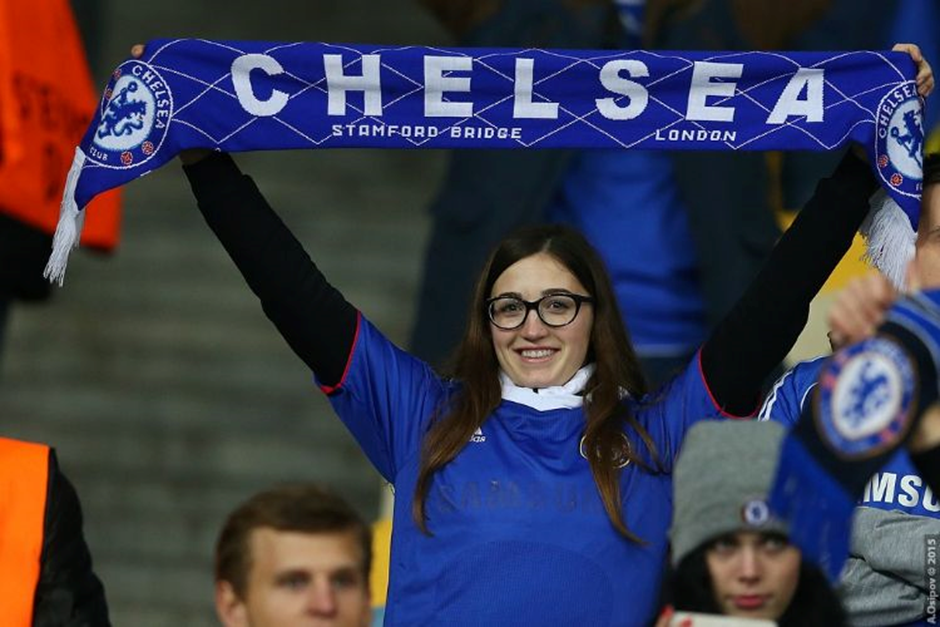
312 315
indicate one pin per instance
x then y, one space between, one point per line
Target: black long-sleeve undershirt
762 327
312 316
320 325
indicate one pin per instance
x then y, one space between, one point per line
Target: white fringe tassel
68 231
889 237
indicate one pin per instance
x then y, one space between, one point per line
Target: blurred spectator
46 577
883 580
293 555
46 102
731 556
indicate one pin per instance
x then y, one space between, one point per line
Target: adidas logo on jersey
478 436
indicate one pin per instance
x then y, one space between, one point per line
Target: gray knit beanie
721 482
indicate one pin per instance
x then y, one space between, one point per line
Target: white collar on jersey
567 396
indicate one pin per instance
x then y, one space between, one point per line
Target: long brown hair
617 369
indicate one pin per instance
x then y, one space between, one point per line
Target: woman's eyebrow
546 292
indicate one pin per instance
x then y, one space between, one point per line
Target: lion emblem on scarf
123 116
913 140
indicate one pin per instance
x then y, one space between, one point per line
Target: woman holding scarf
534 485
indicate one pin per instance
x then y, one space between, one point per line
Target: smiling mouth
537 353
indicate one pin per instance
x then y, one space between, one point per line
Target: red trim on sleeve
330 389
711 397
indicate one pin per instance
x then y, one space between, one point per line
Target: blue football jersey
519 534
896 487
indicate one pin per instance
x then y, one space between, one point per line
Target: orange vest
24 476
46 102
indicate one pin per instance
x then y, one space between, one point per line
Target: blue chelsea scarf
237 96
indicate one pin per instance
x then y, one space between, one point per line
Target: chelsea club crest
899 140
865 397
755 513
135 115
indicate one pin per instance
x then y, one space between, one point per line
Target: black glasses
555 310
